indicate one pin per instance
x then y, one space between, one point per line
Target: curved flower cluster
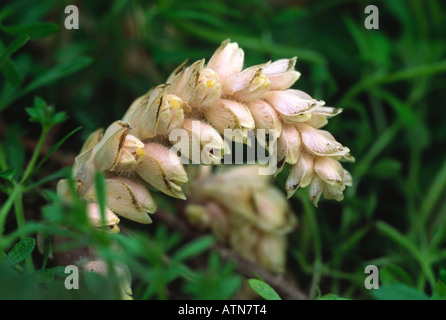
205 100
244 211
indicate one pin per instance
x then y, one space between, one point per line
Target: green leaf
440 291
390 274
11 73
43 275
54 148
386 168
59 72
45 114
7 174
263 289
101 194
398 291
15 45
21 250
194 248
33 30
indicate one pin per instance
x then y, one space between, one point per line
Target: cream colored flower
204 144
250 84
231 115
126 198
301 174
183 82
162 170
207 91
294 106
265 116
320 142
118 150
227 60
281 73
94 215
288 145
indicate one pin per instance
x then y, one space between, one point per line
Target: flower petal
320 142
329 170
301 174
162 169
227 59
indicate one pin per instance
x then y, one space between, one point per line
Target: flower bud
162 170
227 59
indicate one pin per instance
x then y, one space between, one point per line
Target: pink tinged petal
293 105
163 170
315 191
227 59
265 116
329 170
248 85
232 115
301 174
320 142
317 121
281 73
289 144
208 89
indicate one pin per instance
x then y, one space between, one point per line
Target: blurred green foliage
389 81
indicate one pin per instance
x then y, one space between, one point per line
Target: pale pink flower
281 73
227 60
250 84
